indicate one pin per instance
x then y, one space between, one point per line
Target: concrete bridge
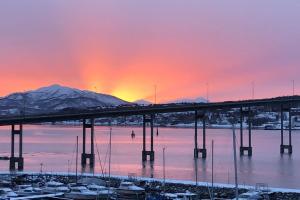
245 107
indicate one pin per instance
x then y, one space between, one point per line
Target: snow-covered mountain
142 102
53 99
180 100
186 100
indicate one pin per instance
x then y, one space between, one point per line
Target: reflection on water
148 169
54 147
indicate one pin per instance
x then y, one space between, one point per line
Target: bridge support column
19 159
202 151
289 147
248 148
145 153
88 156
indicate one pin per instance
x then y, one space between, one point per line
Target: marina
126 187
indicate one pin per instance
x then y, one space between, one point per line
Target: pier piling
248 148
202 150
148 119
88 156
19 159
289 146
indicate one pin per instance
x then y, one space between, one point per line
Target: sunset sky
125 47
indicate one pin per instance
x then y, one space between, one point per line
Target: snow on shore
219 185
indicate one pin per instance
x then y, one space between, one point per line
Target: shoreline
211 127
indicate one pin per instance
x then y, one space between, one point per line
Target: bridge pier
88 156
248 148
19 159
202 151
289 147
145 153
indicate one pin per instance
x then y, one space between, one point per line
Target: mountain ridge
179 100
54 98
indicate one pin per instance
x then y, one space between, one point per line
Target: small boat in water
187 196
53 187
253 195
7 193
29 191
21 187
168 196
102 191
81 192
179 196
261 191
128 190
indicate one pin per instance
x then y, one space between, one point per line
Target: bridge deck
157 108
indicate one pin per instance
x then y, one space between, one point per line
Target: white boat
7 193
186 196
169 196
128 190
22 187
29 191
252 195
102 191
180 196
81 192
55 187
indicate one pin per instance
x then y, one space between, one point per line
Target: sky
220 49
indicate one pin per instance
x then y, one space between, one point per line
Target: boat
263 189
128 190
187 196
5 183
253 195
7 193
179 196
29 191
81 192
22 187
102 191
270 127
91 181
55 187
168 196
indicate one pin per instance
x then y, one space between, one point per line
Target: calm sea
54 148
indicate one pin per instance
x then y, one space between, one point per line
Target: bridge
245 107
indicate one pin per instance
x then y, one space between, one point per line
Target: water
54 146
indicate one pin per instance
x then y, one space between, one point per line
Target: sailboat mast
196 171
109 161
164 168
212 168
235 162
76 158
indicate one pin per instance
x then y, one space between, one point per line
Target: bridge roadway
290 101
246 107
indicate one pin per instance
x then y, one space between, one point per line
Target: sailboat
127 190
78 191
